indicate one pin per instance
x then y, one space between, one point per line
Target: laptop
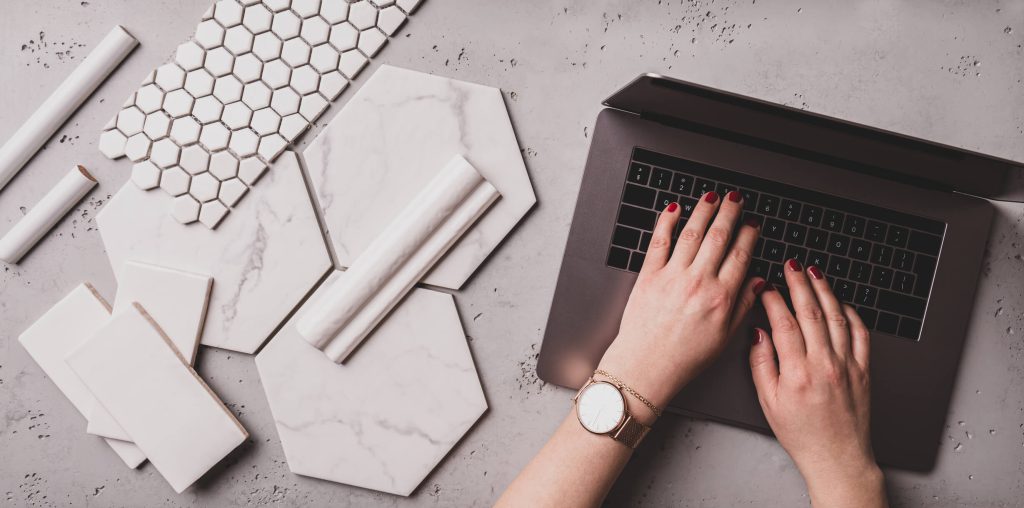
898 225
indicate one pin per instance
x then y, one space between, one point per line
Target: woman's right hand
811 376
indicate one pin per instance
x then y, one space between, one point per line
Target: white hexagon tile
253 78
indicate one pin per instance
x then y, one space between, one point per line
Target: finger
661 239
860 337
734 268
745 301
808 312
719 236
786 337
835 318
763 366
692 234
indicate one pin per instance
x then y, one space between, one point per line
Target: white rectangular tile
63 328
134 371
176 300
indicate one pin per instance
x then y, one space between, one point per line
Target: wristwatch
601 409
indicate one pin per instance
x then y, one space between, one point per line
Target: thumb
762 364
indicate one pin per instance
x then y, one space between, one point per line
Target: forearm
575 468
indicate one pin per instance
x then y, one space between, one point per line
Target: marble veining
386 417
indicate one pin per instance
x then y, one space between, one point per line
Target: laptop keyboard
880 261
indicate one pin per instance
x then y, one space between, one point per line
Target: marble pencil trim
42 217
397 259
53 112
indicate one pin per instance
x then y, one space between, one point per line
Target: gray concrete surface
950 71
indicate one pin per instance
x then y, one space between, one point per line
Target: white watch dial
600 407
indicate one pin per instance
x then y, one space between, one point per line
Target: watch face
600 408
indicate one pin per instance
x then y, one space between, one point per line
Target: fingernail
757 336
671 207
734 196
794 265
816 272
711 197
753 222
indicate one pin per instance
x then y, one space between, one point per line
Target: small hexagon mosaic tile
256 73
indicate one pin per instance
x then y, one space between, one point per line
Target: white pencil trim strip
397 259
88 76
54 205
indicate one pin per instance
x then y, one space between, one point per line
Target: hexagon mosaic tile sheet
256 73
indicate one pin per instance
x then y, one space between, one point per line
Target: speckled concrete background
950 71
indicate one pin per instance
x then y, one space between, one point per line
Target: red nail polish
711 197
753 222
794 265
757 336
816 272
759 286
734 196
671 207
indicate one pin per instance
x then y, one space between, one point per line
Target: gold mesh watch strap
631 433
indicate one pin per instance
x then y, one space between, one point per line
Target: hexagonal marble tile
289 58
386 418
448 117
267 256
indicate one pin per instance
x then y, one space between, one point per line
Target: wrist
857 483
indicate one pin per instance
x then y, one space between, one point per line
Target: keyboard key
860 272
686 206
844 290
819 259
661 178
860 249
817 239
795 233
797 253
618 258
639 196
637 217
773 228
790 210
682 184
838 244
869 316
665 199
626 237
724 188
924 268
636 261
759 268
881 254
909 328
811 216
639 173
881 277
923 242
897 236
776 274
865 295
768 205
774 251
833 221
854 226
875 231
903 282
838 267
645 241
702 187
903 260
887 323
749 200
901 304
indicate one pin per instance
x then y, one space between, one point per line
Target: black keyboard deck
878 260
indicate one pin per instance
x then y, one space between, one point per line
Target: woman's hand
687 300
811 376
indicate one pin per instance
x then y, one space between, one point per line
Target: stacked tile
205 126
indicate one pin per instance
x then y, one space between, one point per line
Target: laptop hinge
792 151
